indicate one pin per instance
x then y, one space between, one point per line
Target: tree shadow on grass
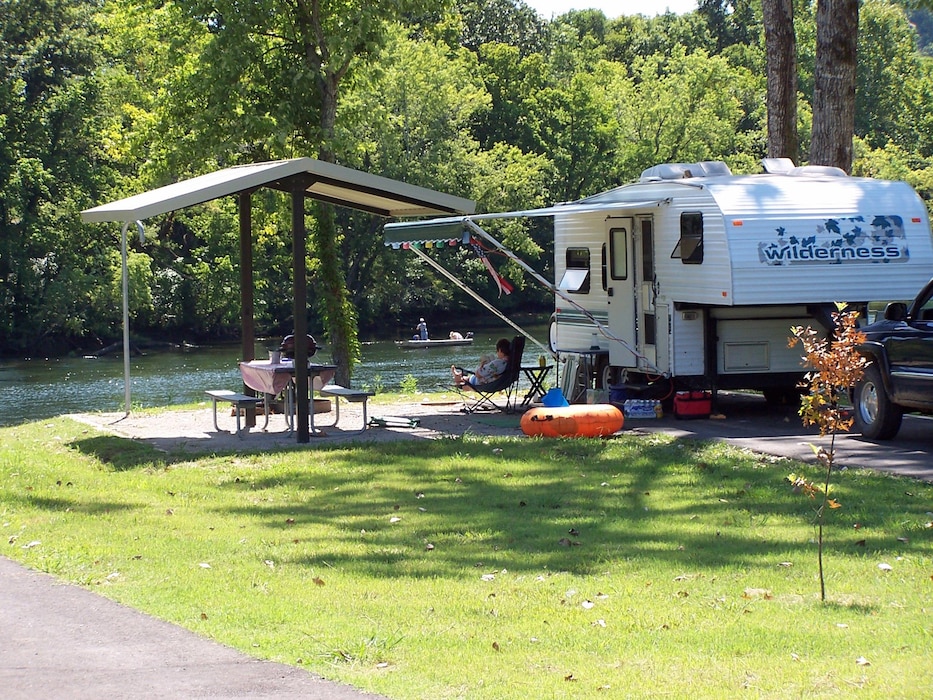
573 506
67 505
123 454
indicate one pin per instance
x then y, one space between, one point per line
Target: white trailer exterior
696 275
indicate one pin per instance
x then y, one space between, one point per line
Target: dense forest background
482 99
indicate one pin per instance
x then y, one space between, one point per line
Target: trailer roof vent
715 168
818 171
680 171
777 166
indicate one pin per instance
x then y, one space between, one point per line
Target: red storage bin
693 404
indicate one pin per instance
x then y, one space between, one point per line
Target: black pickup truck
899 377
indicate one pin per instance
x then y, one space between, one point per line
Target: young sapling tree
835 366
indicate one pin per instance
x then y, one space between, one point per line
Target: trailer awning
451 230
325 181
437 231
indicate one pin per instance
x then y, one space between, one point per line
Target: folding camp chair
482 396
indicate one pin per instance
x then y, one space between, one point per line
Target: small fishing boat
578 420
438 343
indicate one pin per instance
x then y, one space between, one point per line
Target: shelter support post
126 310
300 283
247 312
126 320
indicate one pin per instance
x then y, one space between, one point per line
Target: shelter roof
320 180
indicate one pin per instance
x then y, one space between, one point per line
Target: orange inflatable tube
578 420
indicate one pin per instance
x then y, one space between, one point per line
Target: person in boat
456 335
422 329
488 370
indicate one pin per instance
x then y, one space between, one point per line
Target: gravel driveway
193 430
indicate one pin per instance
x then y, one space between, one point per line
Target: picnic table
273 379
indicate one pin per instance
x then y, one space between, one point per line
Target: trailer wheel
606 376
876 417
782 396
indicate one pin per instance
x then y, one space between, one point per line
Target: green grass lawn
495 568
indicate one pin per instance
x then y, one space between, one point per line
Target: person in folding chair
493 375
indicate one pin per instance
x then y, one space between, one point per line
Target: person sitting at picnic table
488 370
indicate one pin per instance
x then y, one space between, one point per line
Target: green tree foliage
479 98
406 119
50 265
575 128
887 75
510 81
510 22
683 109
637 36
410 119
731 22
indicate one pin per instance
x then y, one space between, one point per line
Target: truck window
925 311
577 275
689 248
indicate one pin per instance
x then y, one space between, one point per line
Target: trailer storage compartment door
758 345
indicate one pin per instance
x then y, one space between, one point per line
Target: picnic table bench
353 395
237 400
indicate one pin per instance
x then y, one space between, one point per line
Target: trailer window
577 275
618 253
647 251
689 248
603 268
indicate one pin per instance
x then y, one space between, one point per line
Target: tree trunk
340 324
339 318
781 50
834 83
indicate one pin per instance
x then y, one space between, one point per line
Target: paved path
62 641
748 421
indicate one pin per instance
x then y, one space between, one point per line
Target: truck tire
876 417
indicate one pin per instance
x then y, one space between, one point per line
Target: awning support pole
606 332
449 275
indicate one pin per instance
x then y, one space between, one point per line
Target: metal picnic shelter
301 178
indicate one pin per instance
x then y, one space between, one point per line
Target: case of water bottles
642 408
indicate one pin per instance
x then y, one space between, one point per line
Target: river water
40 388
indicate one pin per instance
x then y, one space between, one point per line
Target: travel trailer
692 277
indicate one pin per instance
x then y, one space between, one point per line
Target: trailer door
646 291
620 288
